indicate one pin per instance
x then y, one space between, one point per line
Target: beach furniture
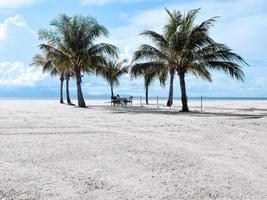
117 100
129 101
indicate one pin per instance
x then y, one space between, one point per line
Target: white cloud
103 2
17 20
15 3
17 74
241 26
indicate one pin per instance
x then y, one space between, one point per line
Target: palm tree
50 65
149 75
170 97
68 76
157 57
73 38
111 72
185 48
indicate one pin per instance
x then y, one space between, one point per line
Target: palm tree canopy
50 64
112 71
188 48
150 71
73 38
53 62
47 65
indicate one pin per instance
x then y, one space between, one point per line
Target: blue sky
242 26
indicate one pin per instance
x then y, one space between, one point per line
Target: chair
115 101
129 101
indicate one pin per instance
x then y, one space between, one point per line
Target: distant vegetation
69 49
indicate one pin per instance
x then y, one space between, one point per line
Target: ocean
138 98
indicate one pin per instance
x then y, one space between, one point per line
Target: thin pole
201 103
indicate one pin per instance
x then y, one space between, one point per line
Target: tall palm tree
156 57
67 77
112 71
149 75
170 97
73 38
185 48
53 67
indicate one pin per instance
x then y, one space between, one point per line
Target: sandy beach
59 152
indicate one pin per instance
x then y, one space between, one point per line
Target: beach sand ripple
53 151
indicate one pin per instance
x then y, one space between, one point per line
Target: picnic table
122 101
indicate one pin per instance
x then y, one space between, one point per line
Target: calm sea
138 97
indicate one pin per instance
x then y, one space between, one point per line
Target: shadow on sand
146 110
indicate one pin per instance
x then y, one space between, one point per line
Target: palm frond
147 52
174 23
201 71
104 49
157 38
138 69
233 69
112 71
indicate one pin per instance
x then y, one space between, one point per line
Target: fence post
201 103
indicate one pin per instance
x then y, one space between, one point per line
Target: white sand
53 151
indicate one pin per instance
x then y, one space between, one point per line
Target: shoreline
138 97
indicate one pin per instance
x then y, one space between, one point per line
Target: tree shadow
252 109
145 110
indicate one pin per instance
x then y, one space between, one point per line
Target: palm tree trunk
81 102
67 89
111 88
61 88
183 92
146 87
170 99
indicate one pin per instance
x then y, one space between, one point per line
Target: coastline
138 97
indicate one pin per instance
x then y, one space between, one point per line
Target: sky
242 26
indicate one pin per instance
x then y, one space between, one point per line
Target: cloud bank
18 74
104 2
17 20
16 3
242 25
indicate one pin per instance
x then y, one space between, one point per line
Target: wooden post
201 103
